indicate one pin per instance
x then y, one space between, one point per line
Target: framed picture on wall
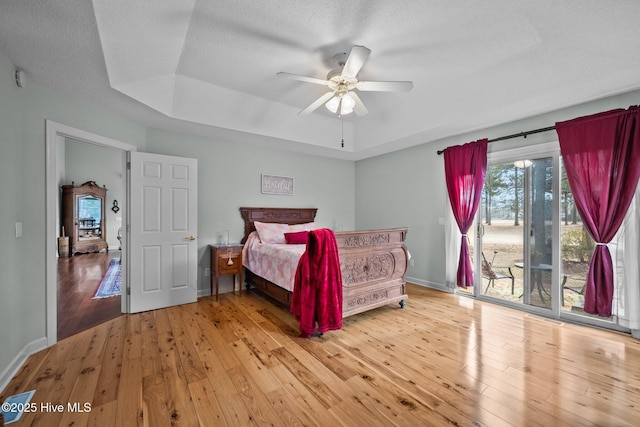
272 184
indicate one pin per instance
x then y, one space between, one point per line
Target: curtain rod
516 135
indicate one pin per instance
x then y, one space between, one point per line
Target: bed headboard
279 215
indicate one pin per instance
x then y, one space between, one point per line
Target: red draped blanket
317 292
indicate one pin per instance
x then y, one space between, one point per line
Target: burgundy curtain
465 167
601 154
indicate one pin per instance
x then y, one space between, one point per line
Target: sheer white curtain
452 247
626 302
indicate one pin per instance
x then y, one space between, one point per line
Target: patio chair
488 272
577 289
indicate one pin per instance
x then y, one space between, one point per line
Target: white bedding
274 262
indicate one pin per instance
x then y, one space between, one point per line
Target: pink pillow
271 232
307 226
297 237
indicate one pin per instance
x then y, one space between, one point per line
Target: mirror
83 217
89 216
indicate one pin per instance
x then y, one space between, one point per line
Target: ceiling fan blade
303 78
359 108
357 57
317 103
385 86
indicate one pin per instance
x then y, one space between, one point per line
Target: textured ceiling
209 67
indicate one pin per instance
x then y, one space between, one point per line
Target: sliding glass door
530 249
516 232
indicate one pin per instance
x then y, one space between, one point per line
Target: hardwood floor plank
438 394
130 404
332 356
386 402
301 400
133 337
290 414
251 334
443 360
508 406
179 405
78 404
312 377
260 373
224 391
56 390
149 349
206 405
155 401
190 316
108 382
186 350
262 412
215 336
103 415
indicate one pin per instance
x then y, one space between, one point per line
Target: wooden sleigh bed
373 262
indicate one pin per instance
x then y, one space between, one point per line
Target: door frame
54 135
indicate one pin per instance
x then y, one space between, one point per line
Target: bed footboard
373 262
374 267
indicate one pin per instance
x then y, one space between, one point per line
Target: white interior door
164 226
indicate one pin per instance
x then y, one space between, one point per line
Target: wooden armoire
83 217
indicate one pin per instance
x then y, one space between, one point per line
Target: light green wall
229 177
12 250
407 188
22 168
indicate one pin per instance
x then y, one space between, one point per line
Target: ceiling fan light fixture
341 102
343 81
347 104
333 104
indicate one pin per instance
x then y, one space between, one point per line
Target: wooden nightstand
226 260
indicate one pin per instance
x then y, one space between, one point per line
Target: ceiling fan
342 81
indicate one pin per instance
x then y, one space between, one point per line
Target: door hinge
129 165
128 291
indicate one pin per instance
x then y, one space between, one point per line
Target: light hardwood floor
78 279
443 360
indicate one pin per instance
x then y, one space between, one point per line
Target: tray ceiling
210 67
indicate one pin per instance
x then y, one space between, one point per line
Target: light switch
18 229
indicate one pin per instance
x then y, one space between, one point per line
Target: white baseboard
204 292
17 362
427 284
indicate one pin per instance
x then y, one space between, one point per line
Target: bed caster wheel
402 303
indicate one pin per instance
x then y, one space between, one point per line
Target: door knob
192 237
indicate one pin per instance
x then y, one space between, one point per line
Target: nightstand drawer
225 268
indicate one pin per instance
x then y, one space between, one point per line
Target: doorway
517 239
56 136
81 274
516 247
531 250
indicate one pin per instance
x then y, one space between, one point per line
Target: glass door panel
576 248
540 256
531 248
516 232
